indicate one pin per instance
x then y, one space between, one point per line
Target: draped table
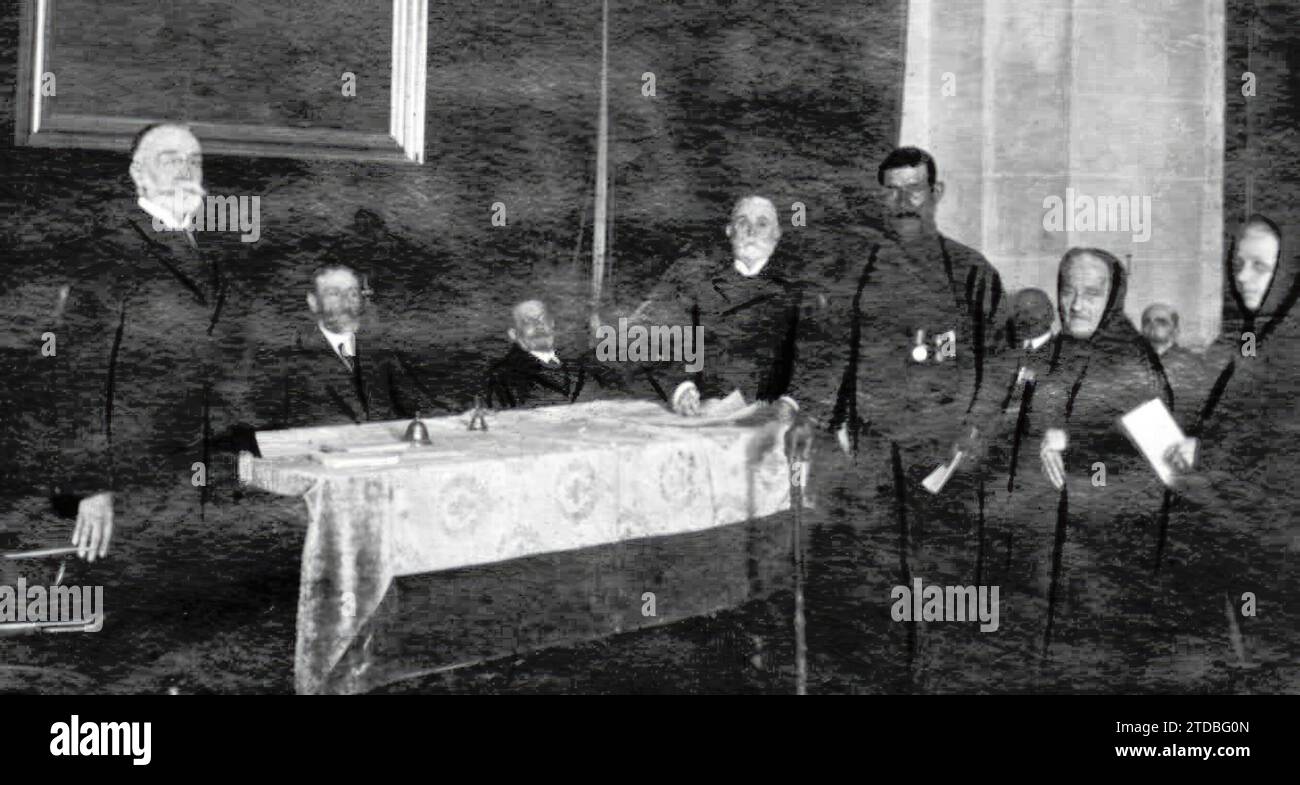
542 481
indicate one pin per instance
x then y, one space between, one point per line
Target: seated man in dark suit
331 374
532 374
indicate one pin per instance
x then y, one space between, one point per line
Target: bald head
1031 314
754 231
162 137
534 329
1160 326
167 168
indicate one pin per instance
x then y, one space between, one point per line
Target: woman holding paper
1095 525
1234 547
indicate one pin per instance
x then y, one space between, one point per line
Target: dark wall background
1262 133
797 99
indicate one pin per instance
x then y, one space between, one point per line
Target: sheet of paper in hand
1153 431
938 478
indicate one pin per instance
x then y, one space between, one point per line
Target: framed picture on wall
335 79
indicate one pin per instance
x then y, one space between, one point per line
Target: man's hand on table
686 400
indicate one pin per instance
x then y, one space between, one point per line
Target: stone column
1059 123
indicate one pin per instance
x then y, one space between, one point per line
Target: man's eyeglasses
909 191
742 223
351 292
174 161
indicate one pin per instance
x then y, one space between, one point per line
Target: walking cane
798 445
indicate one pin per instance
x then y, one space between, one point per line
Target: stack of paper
361 455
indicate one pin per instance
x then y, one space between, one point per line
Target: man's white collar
348 340
1034 343
163 215
749 271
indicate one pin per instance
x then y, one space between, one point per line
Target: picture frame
38 124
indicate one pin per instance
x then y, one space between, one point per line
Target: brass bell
477 418
417 432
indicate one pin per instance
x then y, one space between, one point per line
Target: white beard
752 257
182 202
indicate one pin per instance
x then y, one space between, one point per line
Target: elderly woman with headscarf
1096 519
1235 549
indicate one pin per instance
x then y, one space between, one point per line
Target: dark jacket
520 380
867 325
750 324
1188 382
151 374
313 386
1010 453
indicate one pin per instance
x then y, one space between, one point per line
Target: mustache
183 190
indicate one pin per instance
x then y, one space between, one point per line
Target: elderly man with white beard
532 373
746 299
149 380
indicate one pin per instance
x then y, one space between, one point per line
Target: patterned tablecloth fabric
538 481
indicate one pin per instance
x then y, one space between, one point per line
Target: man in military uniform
906 376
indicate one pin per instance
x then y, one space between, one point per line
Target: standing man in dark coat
929 320
150 402
745 299
740 304
151 359
910 335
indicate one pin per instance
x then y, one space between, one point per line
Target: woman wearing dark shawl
1096 520
1233 549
